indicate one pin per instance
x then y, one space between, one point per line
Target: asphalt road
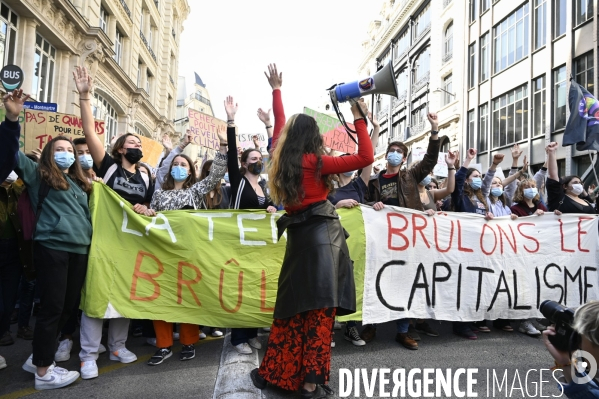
498 351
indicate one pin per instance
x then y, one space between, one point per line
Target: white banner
460 267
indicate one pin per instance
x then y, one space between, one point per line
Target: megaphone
382 82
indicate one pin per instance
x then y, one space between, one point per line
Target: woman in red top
316 280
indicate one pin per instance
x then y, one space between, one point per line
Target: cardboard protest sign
151 149
440 168
245 140
335 134
205 128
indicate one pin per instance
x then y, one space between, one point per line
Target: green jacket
65 223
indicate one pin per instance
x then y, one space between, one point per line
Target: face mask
133 155
394 158
577 189
255 168
179 173
348 174
530 193
11 178
476 183
64 159
496 191
86 161
426 180
227 177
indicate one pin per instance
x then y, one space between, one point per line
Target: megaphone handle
353 101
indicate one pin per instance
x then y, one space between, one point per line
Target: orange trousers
189 334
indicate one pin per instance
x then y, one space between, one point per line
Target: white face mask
11 178
577 189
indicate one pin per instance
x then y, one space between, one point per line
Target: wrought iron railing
201 98
446 3
421 82
417 128
171 79
447 57
126 8
148 47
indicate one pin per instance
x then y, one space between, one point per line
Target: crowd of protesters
46 231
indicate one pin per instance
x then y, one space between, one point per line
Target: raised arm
84 82
457 196
374 140
540 176
234 175
470 155
162 171
551 150
509 184
426 166
488 179
217 172
275 79
10 132
264 116
450 160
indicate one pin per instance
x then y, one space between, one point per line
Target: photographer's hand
562 359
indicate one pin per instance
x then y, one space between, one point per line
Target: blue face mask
530 193
496 191
476 183
86 161
394 158
426 181
348 174
64 159
227 177
179 173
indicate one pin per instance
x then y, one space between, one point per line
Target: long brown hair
300 136
119 144
53 176
244 158
519 194
212 202
470 192
169 182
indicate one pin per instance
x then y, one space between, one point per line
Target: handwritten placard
335 135
205 128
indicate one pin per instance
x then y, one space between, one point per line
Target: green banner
217 268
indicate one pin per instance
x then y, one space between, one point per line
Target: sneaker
151 341
123 355
481 326
243 349
267 329
503 325
527 328
332 343
352 336
537 325
137 331
216 332
188 352
6 339
337 325
424 328
160 356
175 336
255 343
412 333
406 341
28 366
318 393
89 370
202 335
466 333
101 349
63 353
2 363
56 377
368 333
258 381
25 333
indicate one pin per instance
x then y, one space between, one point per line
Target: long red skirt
299 350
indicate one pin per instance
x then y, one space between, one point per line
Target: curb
233 379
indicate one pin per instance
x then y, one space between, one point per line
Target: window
402 83
448 87
399 127
484 57
8 35
423 65
483 128
472 8
583 68
510 122
148 82
102 109
43 73
418 114
583 11
511 39
471 65
560 97
540 29
139 74
560 11
538 107
118 47
402 44
484 5
422 22
471 130
103 19
448 43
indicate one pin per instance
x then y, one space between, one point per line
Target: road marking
107 369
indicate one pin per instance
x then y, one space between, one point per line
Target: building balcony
156 3
201 98
171 79
447 57
145 42
174 34
423 81
417 129
382 114
446 3
401 97
126 8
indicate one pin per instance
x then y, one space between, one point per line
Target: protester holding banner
563 195
62 238
316 280
430 196
527 200
84 158
220 196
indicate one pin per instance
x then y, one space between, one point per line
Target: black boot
258 381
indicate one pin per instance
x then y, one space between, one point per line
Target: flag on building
582 128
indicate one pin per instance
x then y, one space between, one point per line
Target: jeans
10 273
241 335
26 297
71 324
60 277
402 325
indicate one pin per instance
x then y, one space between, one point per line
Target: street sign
12 77
48 107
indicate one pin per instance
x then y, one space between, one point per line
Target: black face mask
255 168
133 155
